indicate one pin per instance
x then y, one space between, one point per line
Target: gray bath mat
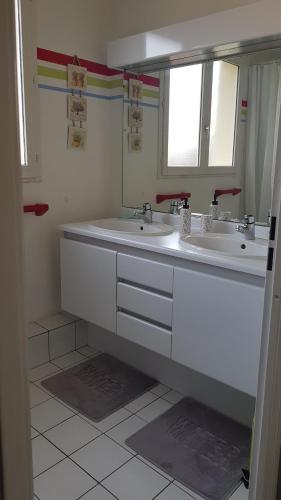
198 446
99 386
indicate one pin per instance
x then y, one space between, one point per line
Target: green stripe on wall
91 80
151 93
105 84
113 84
60 74
51 72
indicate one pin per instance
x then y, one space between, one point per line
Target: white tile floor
74 458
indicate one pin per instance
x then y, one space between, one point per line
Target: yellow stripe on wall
60 74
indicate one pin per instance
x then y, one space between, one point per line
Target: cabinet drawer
150 336
145 272
145 303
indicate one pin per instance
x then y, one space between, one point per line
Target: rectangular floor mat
198 446
99 386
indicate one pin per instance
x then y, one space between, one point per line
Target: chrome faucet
175 206
247 227
145 213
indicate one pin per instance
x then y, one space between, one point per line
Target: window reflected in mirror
199 116
207 127
185 89
223 114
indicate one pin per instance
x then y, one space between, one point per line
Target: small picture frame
135 142
77 77
135 116
77 138
135 90
77 108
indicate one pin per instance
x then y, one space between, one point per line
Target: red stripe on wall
99 69
63 59
148 80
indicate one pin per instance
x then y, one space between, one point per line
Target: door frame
14 411
267 433
14 402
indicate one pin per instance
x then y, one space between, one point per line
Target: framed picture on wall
77 138
135 116
77 108
135 142
135 90
77 77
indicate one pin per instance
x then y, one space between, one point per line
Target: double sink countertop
224 248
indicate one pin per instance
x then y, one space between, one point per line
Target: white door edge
15 451
267 433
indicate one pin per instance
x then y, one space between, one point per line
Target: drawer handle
145 319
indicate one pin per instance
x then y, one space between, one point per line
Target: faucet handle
146 206
249 219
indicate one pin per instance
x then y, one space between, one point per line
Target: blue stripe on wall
95 96
146 104
86 94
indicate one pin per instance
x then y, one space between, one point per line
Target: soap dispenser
214 208
185 218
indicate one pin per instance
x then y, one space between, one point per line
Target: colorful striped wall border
102 82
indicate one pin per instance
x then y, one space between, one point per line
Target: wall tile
38 350
81 333
55 321
62 340
35 329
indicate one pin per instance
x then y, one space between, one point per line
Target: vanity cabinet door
217 326
88 282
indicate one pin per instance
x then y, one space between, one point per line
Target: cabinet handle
270 259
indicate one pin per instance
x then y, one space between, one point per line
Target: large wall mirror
202 128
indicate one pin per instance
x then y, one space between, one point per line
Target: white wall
71 27
133 16
75 184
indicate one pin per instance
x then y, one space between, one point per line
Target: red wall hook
38 208
176 196
220 192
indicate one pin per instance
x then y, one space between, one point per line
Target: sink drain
243 246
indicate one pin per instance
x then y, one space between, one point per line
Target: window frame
32 171
206 94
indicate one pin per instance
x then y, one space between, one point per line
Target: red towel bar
220 192
176 196
38 208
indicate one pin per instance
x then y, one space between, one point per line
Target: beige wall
75 184
134 16
73 26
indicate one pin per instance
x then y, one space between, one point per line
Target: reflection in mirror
202 128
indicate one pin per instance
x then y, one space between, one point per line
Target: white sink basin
226 244
128 226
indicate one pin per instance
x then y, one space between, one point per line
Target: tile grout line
89 442
53 426
92 489
77 464
161 491
37 334
57 327
48 468
72 364
52 362
102 433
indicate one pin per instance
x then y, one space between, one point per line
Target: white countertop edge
169 245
